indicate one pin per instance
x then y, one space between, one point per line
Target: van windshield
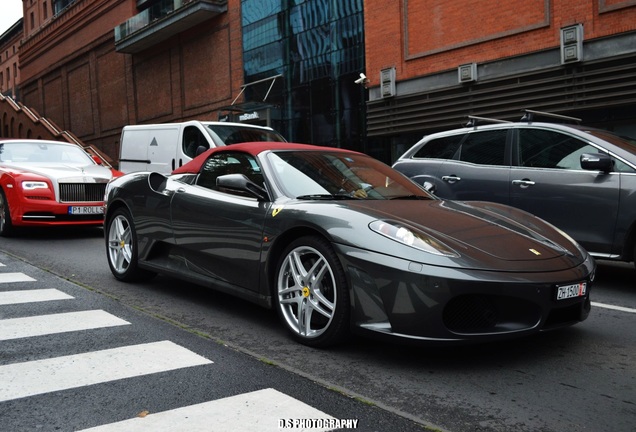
234 134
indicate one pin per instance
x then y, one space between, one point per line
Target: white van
164 147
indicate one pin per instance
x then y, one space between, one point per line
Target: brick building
9 59
93 66
456 58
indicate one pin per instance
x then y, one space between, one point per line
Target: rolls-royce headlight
30 185
407 236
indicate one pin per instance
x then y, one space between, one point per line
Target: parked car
336 241
166 146
46 183
582 180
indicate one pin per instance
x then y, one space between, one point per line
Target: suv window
484 148
540 148
440 148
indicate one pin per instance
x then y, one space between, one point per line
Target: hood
66 173
486 235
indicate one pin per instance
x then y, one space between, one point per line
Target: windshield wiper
324 197
410 197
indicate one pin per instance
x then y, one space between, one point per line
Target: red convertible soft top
253 148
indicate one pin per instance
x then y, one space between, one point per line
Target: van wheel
121 248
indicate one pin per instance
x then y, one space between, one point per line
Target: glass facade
317 48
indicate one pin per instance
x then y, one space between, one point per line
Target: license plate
86 210
571 291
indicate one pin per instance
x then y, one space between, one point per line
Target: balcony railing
163 20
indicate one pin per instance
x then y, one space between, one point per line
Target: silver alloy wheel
307 292
120 244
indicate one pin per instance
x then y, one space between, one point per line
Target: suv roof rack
473 120
530 114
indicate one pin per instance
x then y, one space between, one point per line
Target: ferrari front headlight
32 184
409 237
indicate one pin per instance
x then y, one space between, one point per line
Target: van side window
193 139
440 148
547 149
485 147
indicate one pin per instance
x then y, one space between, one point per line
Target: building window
60 5
45 10
318 46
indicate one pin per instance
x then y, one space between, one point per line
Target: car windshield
43 153
234 134
338 175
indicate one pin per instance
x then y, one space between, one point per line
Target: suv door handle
523 183
451 178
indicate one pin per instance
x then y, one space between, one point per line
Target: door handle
451 178
523 183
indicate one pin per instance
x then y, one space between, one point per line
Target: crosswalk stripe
15 277
62 373
259 411
40 325
32 296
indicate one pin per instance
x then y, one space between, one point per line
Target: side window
485 147
548 149
192 140
440 148
223 163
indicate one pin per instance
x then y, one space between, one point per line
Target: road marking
32 296
618 308
62 373
262 410
40 325
15 277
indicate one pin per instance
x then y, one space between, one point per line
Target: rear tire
121 248
6 227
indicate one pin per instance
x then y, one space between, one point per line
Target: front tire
6 227
121 248
311 296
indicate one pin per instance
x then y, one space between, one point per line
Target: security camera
362 80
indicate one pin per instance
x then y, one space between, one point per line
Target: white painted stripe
2 265
61 373
618 308
40 325
15 277
259 411
32 296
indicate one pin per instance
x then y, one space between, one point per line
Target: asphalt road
577 379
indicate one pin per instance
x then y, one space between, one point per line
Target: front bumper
47 213
409 300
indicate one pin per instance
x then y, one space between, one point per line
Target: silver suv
580 179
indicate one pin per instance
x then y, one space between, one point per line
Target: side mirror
97 160
240 183
157 182
597 162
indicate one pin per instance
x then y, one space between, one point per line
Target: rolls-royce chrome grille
82 192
